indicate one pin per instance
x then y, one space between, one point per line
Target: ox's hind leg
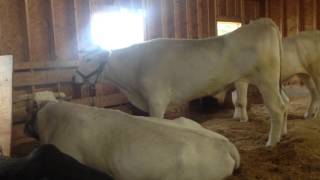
274 103
314 106
239 99
285 99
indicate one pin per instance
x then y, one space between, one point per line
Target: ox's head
38 100
91 67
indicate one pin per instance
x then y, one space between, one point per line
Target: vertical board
203 18
275 11
13 36
180 18
40 30
251 8
153 19
82 14
167 18
222 8
231 8
6 68
317 4
212 18
307 15
64 28
192 20
292 16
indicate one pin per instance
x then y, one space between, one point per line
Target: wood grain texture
192 20
167 18
13 34
180 18
6 69
64 28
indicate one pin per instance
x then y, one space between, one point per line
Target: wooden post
6 69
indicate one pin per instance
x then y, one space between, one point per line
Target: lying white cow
302 58
134 148
160 72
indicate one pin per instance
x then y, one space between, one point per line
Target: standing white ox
301 56
160 72
134 148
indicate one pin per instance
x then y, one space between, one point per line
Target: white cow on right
301 56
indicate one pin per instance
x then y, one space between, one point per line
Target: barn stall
46 37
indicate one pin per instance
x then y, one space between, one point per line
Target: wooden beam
42 65
203 16
53 39
180 18
212 18
37 78
192 20
5 104
267 8
283 17
167 18
242 11
27 16
103 101
318 14
314 15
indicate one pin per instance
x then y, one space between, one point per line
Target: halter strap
97 72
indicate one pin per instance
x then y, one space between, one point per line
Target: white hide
302 58
137 148
160 72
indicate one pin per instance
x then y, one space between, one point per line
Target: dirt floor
297 157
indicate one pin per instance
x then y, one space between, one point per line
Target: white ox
134 148
301 56
160 72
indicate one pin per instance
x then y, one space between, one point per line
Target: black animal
47 163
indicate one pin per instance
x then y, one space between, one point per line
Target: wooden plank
192 20
203 18
38 65
292 16
42 77
276 9
64 28
180 18
221 8
231 8
167 18
40 30
317 4
83 24
153 19
103 101
212 18
13 37
5 103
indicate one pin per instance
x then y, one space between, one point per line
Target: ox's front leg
157 104
314 106
239 99
274 103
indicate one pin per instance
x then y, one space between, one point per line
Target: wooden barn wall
293 16
44 36
196 18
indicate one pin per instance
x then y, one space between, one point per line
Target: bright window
118 29
226 27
